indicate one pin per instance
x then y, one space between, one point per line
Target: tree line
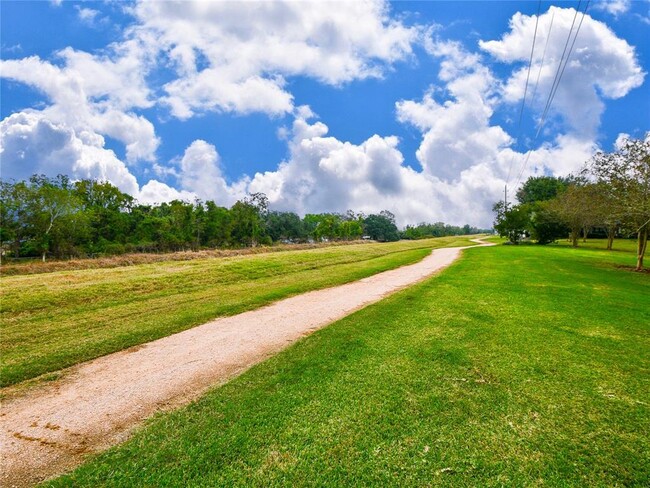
61 218
610 196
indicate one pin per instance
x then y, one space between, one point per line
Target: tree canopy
611 194
59 218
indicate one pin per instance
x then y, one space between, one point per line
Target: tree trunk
641 247
611 233
575 234
43 257
584 234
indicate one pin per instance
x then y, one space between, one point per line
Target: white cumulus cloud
93 93
200 173
235 56
31 143
614 7
601 65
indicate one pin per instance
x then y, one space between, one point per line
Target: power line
532 99
562 67
565 64
559 66
523 102
541 65
558 77
530 61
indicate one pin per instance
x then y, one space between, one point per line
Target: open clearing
52 427
54 320
517 366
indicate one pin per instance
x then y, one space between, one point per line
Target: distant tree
51 203
328 227
511 221
541 188
545 225
14 215
575 209
603 209
412 232
381 227
107 211
351 226
248 217
285 226
626 173
217 226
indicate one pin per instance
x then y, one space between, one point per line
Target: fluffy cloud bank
241 57
234 56
601 65
94 93
31 143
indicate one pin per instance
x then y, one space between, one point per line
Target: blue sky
409 106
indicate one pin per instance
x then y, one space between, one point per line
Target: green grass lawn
517 366
620 245
54 320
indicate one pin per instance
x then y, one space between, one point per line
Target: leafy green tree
350 230
217 227
511 221
107 211
285 226
325 226
51 204
14 216
574 207
381 227
626 174
541 188
545 225
248 218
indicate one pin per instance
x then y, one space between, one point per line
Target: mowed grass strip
517 366
54 320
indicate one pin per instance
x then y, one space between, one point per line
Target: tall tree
541 188
248 217
626 173
381 227
51 202
217 226
511 221
574 207
14 215
285 226
108 212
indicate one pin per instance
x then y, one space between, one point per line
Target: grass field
54 320
517 366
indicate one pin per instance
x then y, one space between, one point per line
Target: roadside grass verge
35 266
517 366
54 320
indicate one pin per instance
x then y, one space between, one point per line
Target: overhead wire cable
557 79
557 71
565 63
541 64
532 99
530 62
523 103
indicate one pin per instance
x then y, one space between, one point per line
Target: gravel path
50 429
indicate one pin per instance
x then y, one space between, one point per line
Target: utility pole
505 197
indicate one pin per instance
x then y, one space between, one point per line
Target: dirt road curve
52 428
